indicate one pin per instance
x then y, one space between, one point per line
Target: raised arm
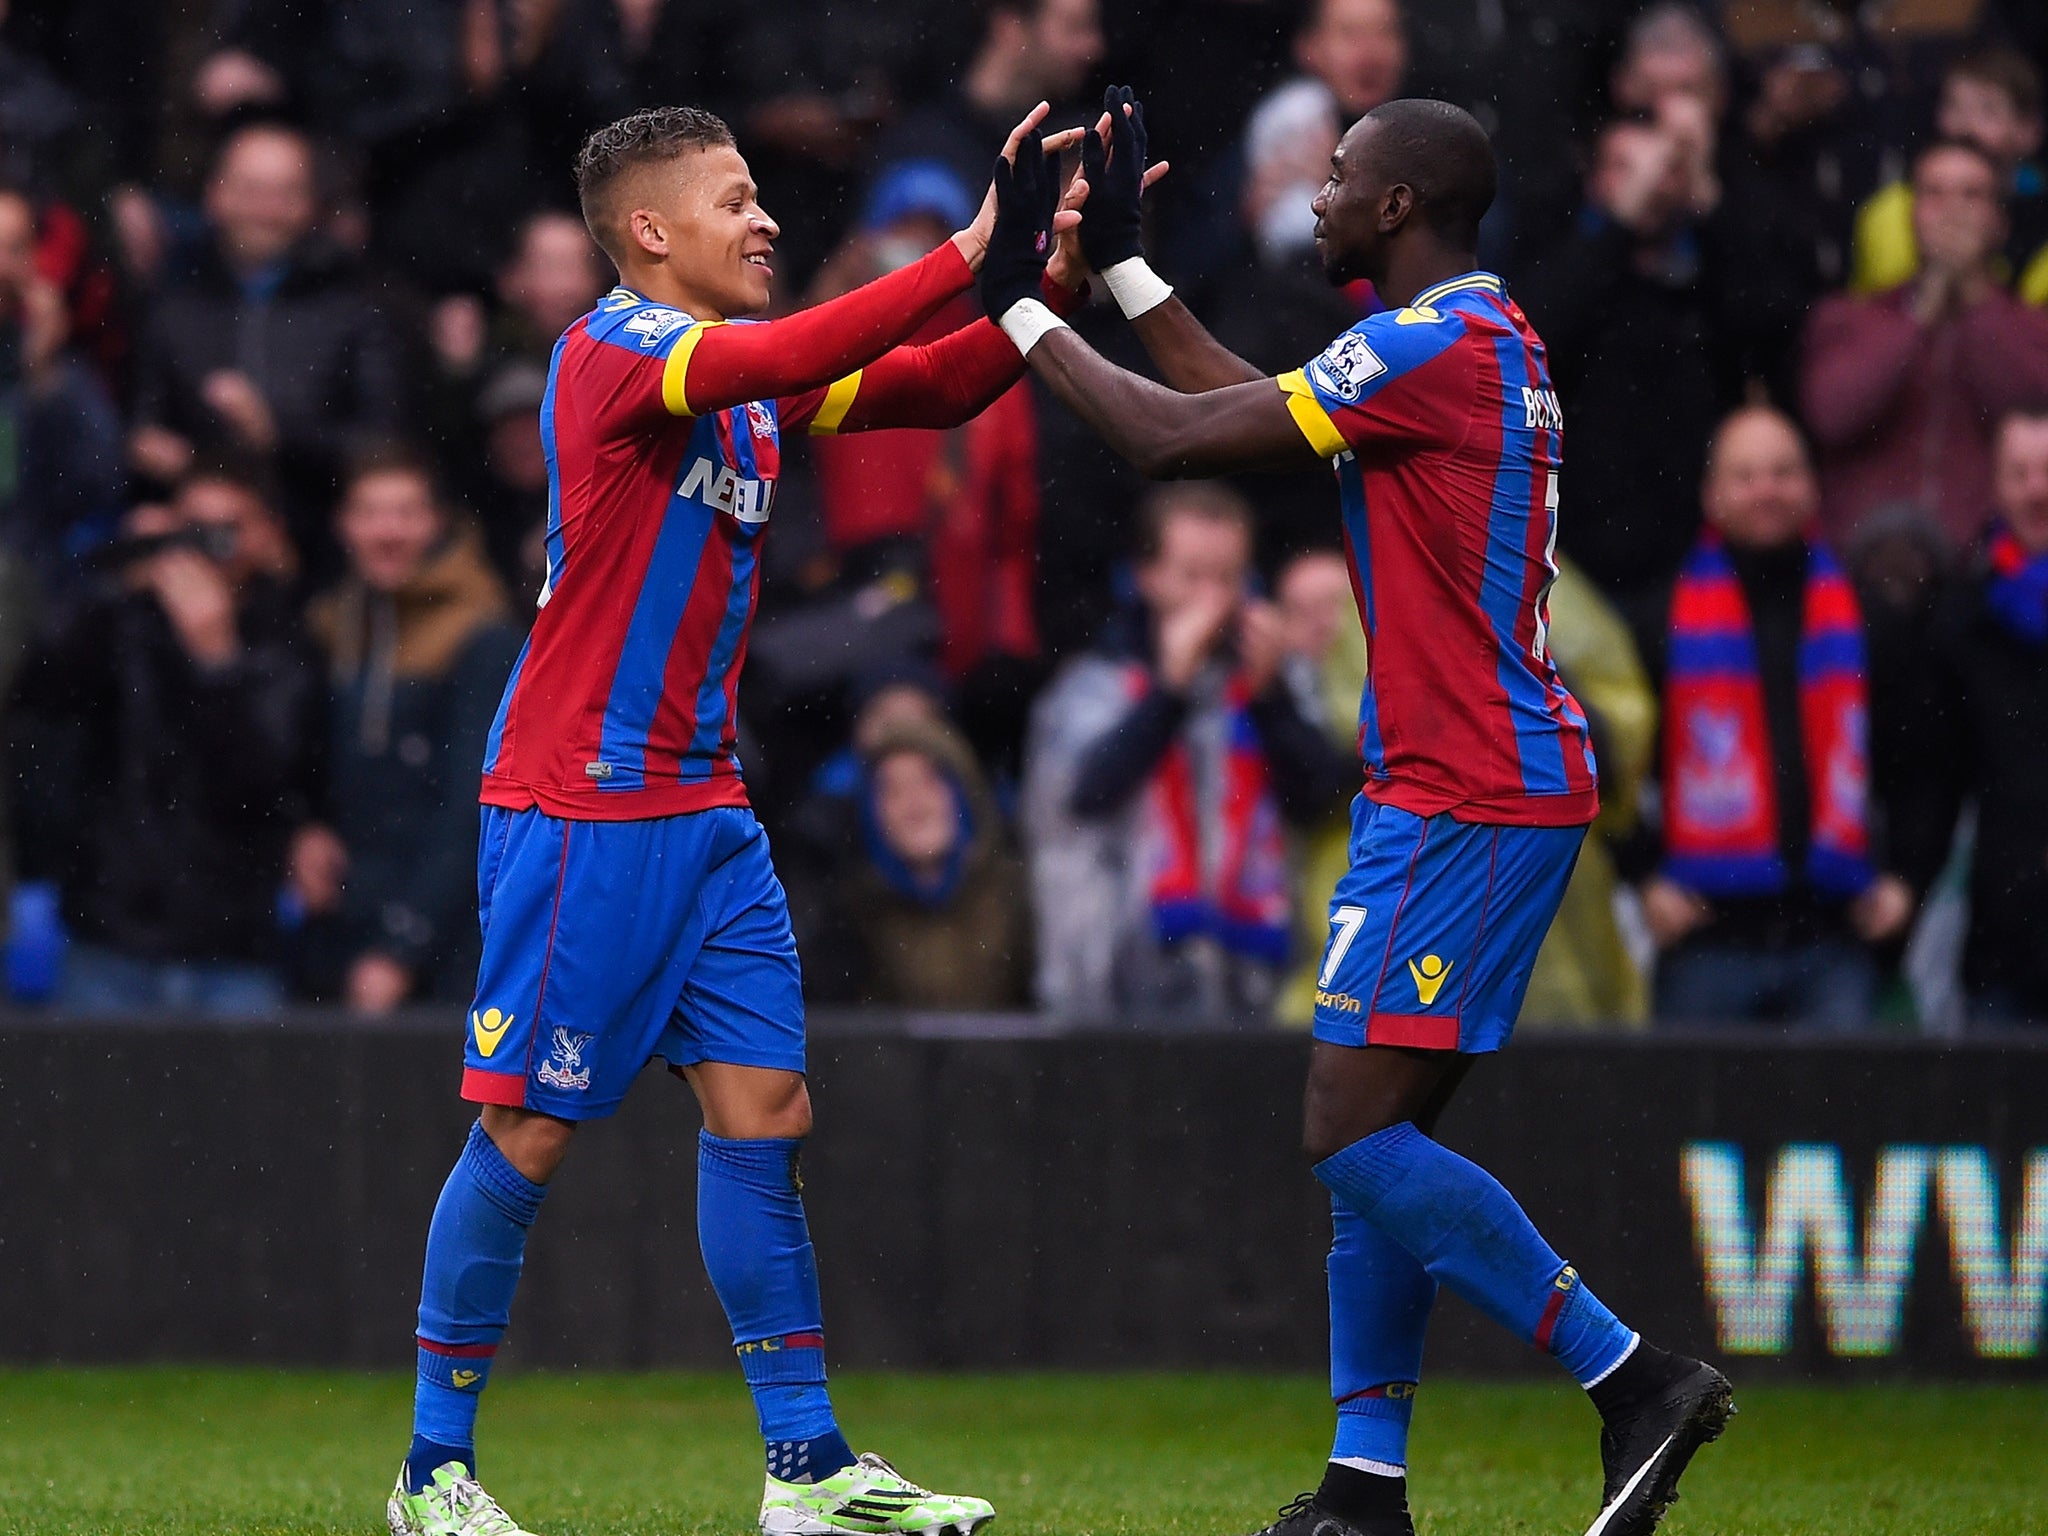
1113 162
1191 359
716 366
1165 433
944 384
1168 435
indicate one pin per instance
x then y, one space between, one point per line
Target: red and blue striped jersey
1447 439
622 704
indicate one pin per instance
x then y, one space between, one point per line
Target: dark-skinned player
1446 441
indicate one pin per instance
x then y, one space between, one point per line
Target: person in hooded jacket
936 897
418 641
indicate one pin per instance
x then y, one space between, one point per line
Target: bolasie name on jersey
1540 409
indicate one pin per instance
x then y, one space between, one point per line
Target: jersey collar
1483 281
622 297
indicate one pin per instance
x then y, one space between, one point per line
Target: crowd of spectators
279 282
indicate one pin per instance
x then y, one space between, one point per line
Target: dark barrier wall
262 1193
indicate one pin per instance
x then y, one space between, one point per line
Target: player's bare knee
534 1144
1326 1118
751 1103
1353 1094
792 1115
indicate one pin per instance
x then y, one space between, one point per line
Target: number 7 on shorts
1344 925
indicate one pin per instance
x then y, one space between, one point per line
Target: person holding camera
1160 772
168 765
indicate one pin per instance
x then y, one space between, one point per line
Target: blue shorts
1434 929
608 943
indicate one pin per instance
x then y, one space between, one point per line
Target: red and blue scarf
2018 590
1720 787
1250 909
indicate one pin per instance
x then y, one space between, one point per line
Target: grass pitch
187 1451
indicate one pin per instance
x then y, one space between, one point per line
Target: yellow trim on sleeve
838 401
1309 415
678 365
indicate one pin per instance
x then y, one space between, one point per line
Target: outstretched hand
974 239
1113 161
1026 192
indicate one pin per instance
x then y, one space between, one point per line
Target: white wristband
1027 322
1136 288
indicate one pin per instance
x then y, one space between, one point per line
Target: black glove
1111 227
1027 197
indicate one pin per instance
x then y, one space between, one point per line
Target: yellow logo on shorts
1429 977
490 1028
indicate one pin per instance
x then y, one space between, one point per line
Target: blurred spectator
1349 56
511 489
46 158
483 403
1986 737
1324 667
1159 769
804 87
1889 59
1800 138
1902 388
270 351
1531 71
1288 142
554 276
1661 277
1902 565
114 58
1990 97
1356 50
39 116
1767 896
1275 307
822 836
66 258
936 896
189 697
60 440
572 65
1585 976
418 647
421 92
1670 51
1029 51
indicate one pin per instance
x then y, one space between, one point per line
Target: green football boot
869 1498
453 1504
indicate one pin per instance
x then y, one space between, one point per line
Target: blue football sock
475 1247
1380 1299
1469 1234
757 1250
